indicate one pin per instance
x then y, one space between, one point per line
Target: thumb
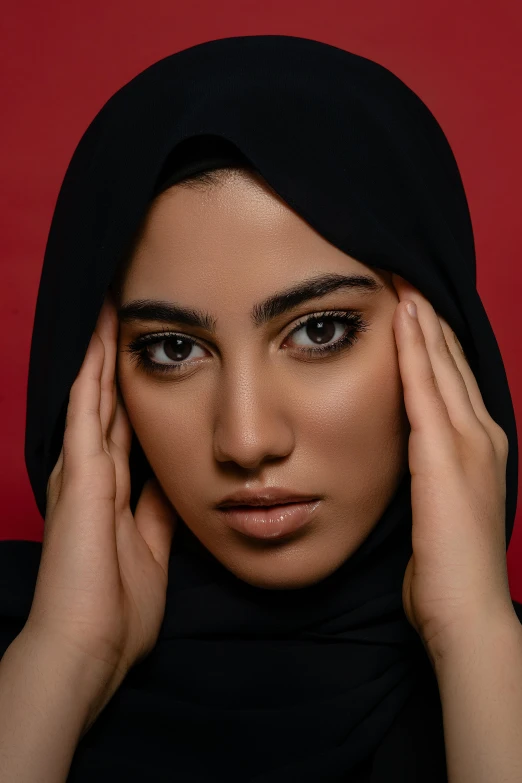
156 520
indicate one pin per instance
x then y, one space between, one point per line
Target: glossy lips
269 521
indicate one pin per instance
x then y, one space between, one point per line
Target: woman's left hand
457 456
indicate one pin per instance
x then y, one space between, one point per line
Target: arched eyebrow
275 305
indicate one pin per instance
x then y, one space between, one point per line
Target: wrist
89 680
461 639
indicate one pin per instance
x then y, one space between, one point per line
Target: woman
255 215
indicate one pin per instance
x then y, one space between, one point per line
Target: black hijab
328 683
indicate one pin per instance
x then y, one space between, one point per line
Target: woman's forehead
237 228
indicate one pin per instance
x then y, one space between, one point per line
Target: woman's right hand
102 580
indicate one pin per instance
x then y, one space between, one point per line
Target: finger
83 433
457 384
107 329
156 520
424 403
120 432
490 425
119 441
450 382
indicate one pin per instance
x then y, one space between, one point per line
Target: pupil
317 331
180 351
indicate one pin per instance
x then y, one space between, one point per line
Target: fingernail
411 307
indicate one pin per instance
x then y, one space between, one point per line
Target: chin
286 566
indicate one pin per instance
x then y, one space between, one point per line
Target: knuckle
80 466
500 439
484 438
95 480
483 443
75 388
430 381
441 347
78 417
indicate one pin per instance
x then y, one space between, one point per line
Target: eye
153 351
173 349
322 329
168 353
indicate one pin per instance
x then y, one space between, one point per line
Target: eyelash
138 348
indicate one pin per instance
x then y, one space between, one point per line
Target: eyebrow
275 305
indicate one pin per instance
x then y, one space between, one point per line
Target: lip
270 496
270 521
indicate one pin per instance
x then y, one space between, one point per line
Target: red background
62 61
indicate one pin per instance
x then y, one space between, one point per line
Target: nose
252 420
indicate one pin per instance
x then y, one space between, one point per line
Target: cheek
168 427
358 419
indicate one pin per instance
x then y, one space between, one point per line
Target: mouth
270 522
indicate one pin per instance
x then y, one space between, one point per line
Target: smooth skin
102 582
457 454
247 406
101 586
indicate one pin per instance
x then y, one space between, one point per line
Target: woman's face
251 403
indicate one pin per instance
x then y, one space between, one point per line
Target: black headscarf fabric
329 683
